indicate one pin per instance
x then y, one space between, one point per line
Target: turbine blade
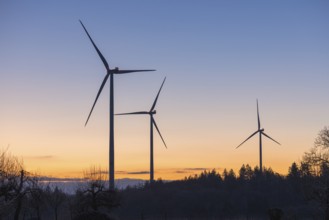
258 116
159 132
248 138
156 98
134 113
129 71
270 138
99 92
99 53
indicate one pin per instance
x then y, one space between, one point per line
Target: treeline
249 194
210 195
302 194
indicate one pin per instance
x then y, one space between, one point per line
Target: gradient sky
218 56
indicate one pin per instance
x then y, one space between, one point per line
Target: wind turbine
261 132
152 122
109 73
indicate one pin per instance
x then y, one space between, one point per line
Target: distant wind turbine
152 122
261 132
109 73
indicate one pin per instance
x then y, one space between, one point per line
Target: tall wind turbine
261 132
152 122
109 73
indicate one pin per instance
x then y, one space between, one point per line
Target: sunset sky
218 57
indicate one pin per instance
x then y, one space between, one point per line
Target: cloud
42 157
57 179
191 170
194 169
181 171
139 172
133 173
187 170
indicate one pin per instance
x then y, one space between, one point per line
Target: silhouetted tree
15 184
55 198
36 198
10 169
294 172
245 173
314 169
95 197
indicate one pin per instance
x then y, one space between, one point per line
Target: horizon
144 175
218 57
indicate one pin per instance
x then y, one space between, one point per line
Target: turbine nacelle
115 70
153 112
261 130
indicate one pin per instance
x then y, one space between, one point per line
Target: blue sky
218 56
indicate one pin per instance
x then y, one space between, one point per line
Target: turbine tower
261 132
152 122
109 74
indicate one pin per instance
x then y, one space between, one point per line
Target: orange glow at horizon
66 151
164 174
166 167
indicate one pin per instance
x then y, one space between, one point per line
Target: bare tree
316 185
15 184
95 197
11 182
